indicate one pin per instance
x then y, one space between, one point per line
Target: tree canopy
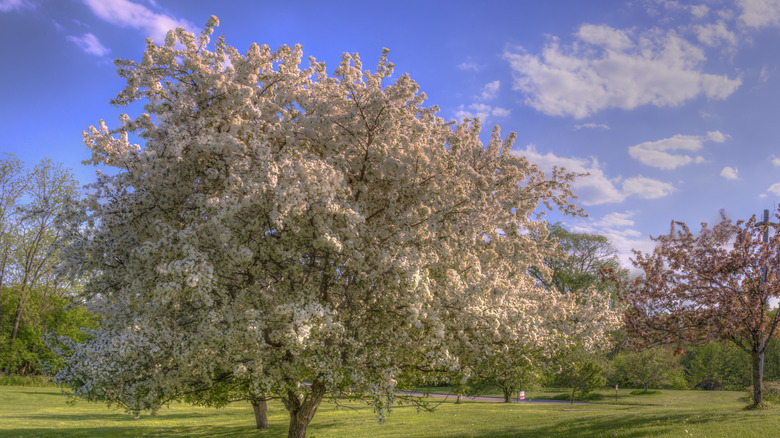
281 231
718 284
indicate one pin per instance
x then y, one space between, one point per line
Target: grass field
42 412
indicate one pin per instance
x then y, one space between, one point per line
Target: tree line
35 303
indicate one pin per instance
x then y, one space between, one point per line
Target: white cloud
491 90
125 13
13 5
593 189
481 110
616 219
617 227
759 13
596 188
90 44
601 126
729 173
610 38
775 188
469 66
646 188
500 112
607 68
765 74
700 11
716 136
715 34
775 160
665 153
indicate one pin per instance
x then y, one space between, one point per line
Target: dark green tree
583 260
650 368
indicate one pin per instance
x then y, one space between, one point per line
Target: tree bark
758 376
302 408
260 406
457 400
507 395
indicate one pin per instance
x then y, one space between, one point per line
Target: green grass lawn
32 411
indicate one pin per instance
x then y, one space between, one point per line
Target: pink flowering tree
285 233
717 285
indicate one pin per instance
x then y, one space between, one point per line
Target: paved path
486 398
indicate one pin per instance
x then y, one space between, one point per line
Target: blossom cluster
280 226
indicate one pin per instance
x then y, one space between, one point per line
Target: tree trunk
507 395
573 391
645 386
17 318
457 400
302 409
260 406
758 377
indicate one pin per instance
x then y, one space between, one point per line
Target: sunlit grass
43 412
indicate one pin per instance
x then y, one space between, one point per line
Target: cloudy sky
671 107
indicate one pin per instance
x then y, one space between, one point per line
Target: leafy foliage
582 261
717 285
650 368
34 303
582 371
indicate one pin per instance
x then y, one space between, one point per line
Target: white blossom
281 225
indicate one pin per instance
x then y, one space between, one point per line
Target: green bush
771 392
591 396
643 392
16 380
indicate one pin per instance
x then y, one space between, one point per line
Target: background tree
37 304
281 226
649 368
582 371
583 264
717 285
582 260
49 186
508 373
12 185
718 366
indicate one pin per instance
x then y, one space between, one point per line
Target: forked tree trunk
758 376
260 406
507 395
302 409
457 400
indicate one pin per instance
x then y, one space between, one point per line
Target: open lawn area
43 412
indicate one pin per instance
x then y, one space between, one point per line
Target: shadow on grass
124 425
43 393
114 416
154 431
589 427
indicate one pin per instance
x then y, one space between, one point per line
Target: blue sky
671 107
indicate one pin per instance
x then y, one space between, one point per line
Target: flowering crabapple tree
286 233
717 285
548 322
